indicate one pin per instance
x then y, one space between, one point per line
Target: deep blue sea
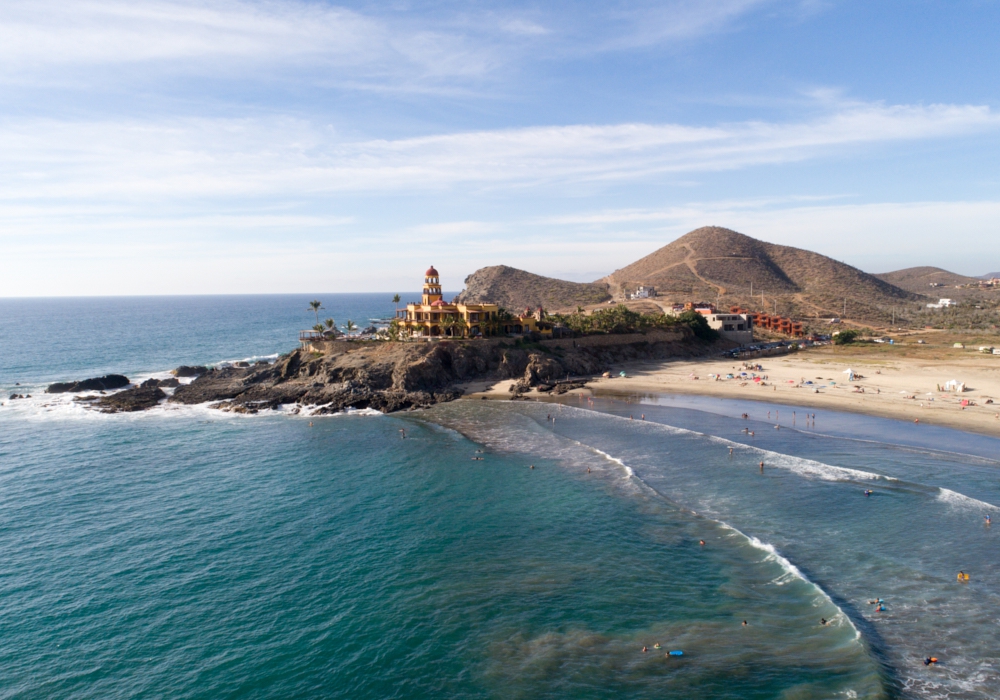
186 553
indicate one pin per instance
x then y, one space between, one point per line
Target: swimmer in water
701 542
761 467
532 466
930 660
988 519
310 424
588 470
744 623
868 492
731 454
656 646
824 621
644 650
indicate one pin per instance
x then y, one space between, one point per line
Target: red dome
431 272
439 302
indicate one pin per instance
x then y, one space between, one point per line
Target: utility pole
845 307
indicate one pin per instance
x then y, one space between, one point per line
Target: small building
643 292
943 304
735 327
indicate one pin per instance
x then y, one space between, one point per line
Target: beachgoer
701 542
761 467
744 623
823 621
310 424
532 466
989 520
731 454
656 646
588 470
644 416
644 650
930 660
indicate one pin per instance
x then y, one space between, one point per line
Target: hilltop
516 289
920 279
720 265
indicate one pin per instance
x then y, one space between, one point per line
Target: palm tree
447 324
316 306
395 300
461 326
351 326
331 327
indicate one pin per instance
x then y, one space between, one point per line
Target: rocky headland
334 375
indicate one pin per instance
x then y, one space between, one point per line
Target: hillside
516 290
919 279
719 265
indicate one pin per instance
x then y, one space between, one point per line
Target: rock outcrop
139 398
189 371
105 383
335 375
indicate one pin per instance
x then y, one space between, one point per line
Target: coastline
888 384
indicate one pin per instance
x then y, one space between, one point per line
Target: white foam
954 498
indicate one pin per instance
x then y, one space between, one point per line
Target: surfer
824 621
868 492
930 660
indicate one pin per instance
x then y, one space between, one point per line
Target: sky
291 146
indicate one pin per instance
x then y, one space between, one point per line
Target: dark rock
189 371
241 364
370 330
135 399
105 383
171 382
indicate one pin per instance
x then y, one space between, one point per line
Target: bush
698 325
845 337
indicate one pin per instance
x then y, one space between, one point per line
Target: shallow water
188 553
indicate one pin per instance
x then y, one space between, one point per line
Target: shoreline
900 388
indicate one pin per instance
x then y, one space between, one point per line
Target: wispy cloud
286 158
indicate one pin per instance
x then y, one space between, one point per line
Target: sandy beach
896 382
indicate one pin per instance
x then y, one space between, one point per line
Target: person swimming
644 650
930 660
989 520
761 467
868 492
824 621
744 623
656 646
880 608
701 542
731 454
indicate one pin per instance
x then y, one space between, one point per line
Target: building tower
432 287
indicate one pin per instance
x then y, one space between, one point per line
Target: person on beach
731 454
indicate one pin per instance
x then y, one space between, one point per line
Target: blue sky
295 146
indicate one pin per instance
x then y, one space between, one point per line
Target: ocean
188 553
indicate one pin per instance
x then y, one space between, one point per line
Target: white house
737 327
943 304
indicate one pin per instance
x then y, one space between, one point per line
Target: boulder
105 383
189 371
171 382
135 399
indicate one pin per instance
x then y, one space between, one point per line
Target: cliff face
396 376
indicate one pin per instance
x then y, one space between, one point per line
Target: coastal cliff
335 375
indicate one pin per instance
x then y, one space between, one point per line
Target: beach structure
433 317
737 327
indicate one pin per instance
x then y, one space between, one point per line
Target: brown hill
719 265
920 279
516 289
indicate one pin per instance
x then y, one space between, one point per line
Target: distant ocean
187 553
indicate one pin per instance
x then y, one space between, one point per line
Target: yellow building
434 317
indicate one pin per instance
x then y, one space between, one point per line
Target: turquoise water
187 553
